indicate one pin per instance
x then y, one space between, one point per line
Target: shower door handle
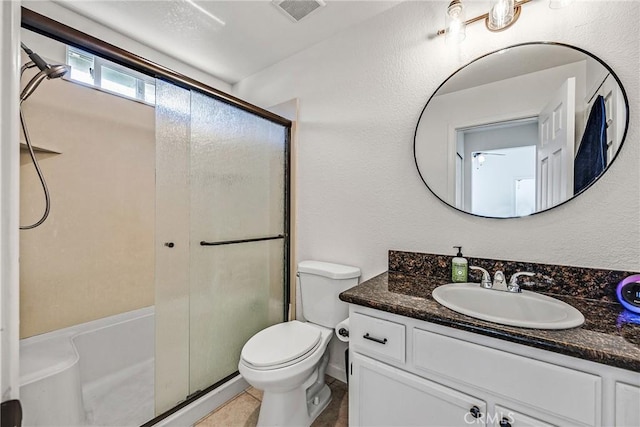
233 242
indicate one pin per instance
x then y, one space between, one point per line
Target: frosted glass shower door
173 135
237 194
221 248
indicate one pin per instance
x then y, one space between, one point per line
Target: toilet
288 360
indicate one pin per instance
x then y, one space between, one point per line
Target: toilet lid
280 344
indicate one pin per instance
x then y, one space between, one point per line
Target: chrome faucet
499 280
513 282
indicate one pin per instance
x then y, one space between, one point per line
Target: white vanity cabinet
406 372
387 396
627 405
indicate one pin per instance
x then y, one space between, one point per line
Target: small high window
95 71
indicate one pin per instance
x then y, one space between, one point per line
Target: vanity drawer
377 337
552 389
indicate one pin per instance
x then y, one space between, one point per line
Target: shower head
52 72
57 71
46 71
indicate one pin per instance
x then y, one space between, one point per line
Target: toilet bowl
286 375
288 361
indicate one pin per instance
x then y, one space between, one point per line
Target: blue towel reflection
592 153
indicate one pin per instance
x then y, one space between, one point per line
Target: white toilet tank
320 285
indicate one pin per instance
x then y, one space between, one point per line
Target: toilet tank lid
327 269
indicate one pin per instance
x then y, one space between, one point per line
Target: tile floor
243 410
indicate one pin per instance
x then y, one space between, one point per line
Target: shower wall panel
94 256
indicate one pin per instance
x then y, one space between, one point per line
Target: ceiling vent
295 10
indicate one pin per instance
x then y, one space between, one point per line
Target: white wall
360 94
493 185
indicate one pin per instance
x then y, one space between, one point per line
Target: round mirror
521 130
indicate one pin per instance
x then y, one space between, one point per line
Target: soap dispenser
459 266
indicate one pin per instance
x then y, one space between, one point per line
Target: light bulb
454 22
501 14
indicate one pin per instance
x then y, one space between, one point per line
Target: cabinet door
380 395
627 405
576 395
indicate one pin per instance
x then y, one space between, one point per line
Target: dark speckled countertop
610 334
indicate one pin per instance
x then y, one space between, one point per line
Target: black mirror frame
622 140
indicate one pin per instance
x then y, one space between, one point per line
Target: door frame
455 128
9 200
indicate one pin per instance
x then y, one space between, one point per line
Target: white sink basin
525 309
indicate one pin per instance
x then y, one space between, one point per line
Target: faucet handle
513 282
486 277
499 281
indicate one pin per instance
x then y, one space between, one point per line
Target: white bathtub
96 373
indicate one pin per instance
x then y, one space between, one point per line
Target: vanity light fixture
502 14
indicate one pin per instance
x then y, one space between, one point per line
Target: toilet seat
281 345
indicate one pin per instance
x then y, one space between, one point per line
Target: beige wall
94 256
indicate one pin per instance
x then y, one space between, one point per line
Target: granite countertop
610 334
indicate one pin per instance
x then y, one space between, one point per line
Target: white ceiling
512 62
242 38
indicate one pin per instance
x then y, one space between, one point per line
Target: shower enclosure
208 243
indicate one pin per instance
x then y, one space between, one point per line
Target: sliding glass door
237 195
221 237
